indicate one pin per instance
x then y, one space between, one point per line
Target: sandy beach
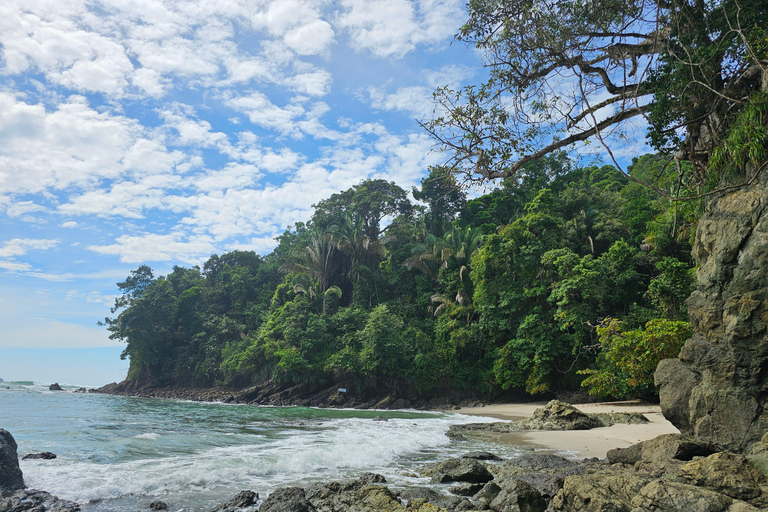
582 443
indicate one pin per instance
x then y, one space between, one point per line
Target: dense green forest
563 275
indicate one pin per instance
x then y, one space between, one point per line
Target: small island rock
55 387
41 455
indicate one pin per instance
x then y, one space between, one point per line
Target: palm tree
320 258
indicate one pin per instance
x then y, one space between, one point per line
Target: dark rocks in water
716 391
55 387
459 470
81 390
11 477
481 456
289 499
242 500
41 455
158 505
29 500
372 478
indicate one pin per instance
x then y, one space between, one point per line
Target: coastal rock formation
459 470
242 500
41 455
30 500
13 495
11 477
716 390
556 415
55 387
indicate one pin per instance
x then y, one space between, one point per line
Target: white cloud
73 146
129 199
262 112
414 100
175 247
22 208
393 28
314 38
234 176
21 246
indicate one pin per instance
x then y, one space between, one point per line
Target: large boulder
674 446
518 496
717 388
11 477
241 500
288 499
459 470
30 500
557 415
728 473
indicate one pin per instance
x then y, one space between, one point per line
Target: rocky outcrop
11 477
30 500
716 390
274 394
13 495
459 470
41 455
242 500
55 387
556 415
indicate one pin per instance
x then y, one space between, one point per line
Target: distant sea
119 453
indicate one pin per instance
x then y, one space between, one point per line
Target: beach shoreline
579 443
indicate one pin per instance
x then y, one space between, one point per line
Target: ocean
118 453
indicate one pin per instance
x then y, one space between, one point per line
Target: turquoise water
122 452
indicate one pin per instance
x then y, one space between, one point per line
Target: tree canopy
502 292
567 71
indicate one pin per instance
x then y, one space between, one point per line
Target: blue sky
145 131
159 132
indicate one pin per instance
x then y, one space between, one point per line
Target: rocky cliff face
11 478
716 391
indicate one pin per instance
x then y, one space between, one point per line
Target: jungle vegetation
509 290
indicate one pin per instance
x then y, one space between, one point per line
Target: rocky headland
273 394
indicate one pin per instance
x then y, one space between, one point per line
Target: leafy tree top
371 201
567 71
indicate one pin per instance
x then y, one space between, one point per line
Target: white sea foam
329 449
149 435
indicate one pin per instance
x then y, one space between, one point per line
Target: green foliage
504 295
629 358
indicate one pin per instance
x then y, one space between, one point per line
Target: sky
160 132
151 132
